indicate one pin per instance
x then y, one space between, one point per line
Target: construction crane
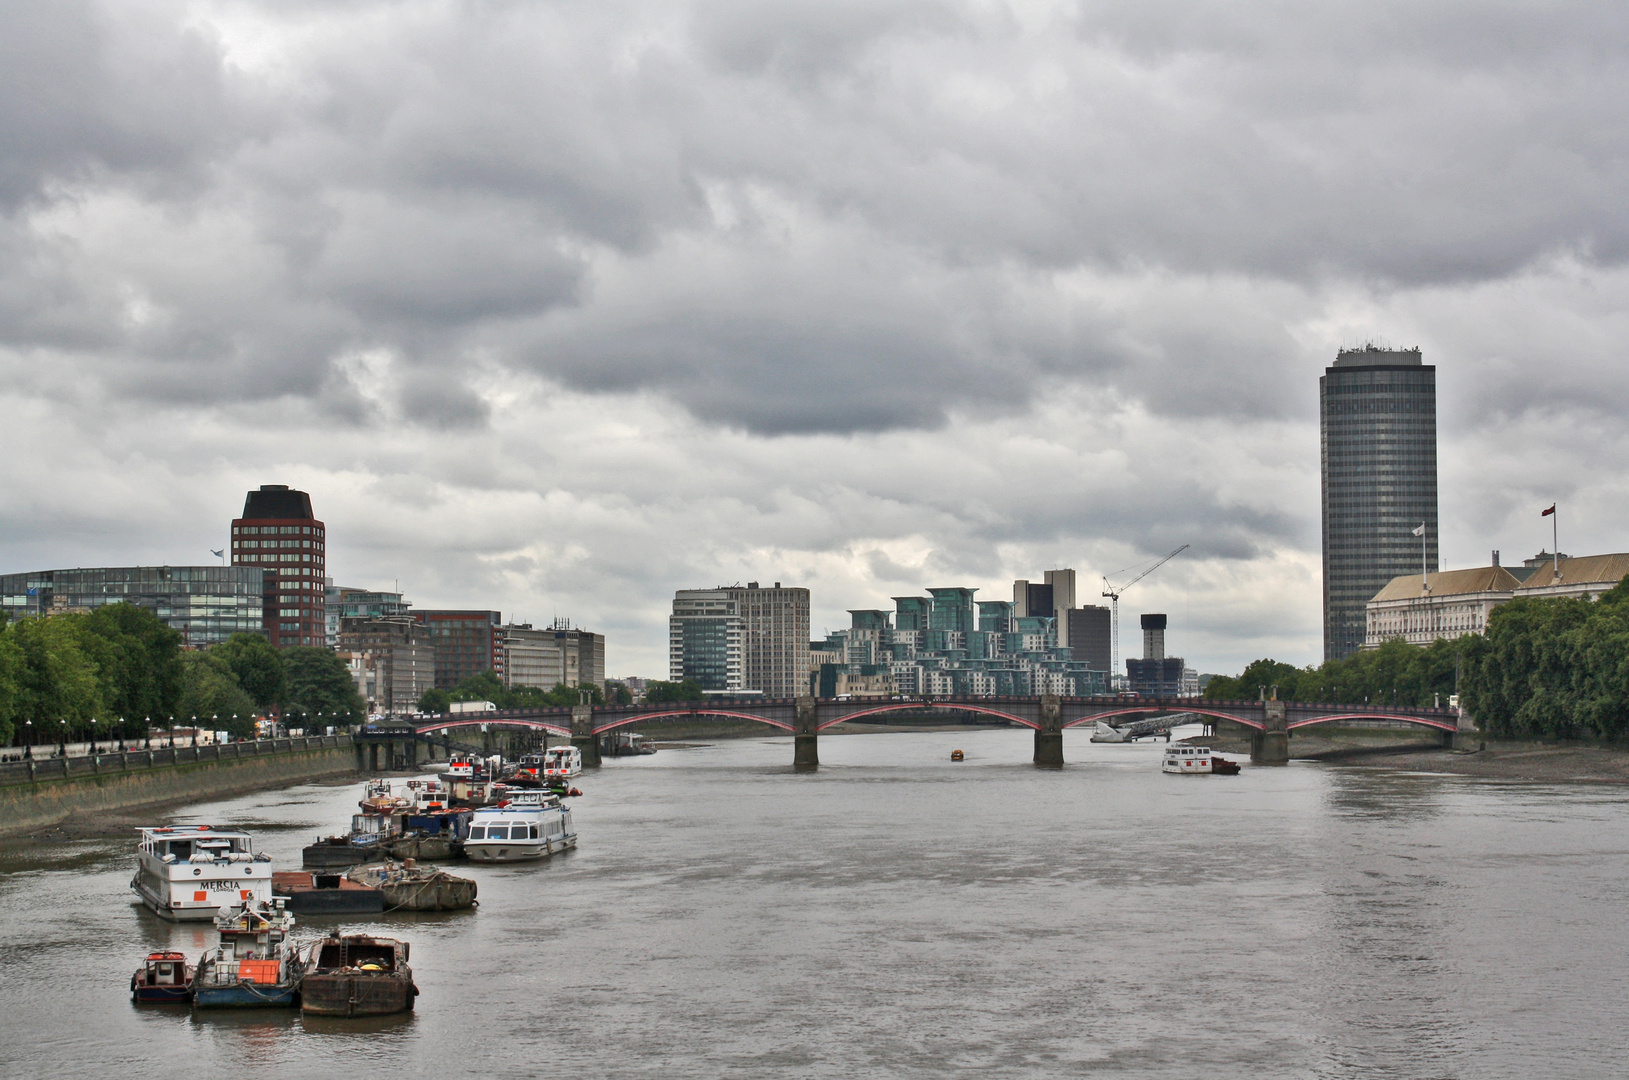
1113 593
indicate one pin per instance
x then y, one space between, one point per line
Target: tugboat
406 886
357 975
253 966
164 978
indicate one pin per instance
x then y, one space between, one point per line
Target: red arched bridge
804 718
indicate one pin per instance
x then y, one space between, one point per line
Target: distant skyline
560 309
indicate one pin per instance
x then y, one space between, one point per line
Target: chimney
1495 556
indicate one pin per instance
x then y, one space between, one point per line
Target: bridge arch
1145 710
899 706
1434 723
641 718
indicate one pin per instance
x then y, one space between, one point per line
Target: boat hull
244 996
504 852
338 856
357 995
326 894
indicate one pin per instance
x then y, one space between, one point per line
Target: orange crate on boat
259 971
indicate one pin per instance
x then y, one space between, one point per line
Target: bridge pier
583 737
805 735
1049 736
1271 745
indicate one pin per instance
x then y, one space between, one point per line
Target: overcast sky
557 307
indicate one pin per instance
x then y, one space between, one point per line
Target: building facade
206 604
1158 675
1091 633
278 533
391 660
466 643
554 656
775 642
346 602
706 640
1378 426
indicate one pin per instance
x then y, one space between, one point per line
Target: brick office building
279 533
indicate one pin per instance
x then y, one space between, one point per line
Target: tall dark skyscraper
1378 416
278 532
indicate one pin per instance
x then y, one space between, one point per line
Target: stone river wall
43 792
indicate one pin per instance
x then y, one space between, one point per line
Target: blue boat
253 966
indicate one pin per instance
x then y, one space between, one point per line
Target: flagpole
1555 540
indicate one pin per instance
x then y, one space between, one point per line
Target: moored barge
357 975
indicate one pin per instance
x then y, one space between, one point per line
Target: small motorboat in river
357 975
407 886
253 966
164 978
1189 760
957 755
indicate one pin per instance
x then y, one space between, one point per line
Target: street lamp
28 734
147 734
62 742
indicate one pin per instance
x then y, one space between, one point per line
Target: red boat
163 978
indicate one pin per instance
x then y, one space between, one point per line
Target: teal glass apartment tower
1378 419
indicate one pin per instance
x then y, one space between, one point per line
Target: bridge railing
33 769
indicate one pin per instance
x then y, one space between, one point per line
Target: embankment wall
46 791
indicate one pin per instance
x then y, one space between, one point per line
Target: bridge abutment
583 737
805 734
1271 745
1049 736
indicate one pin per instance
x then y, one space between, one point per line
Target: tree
688 690
320 688
141 672
58 684
259 668
617 693
434 700
483 687
11 663
211 695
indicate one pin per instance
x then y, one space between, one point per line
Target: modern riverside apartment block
278 533
706 640
207 604
1378 423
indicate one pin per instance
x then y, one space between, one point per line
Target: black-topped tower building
1378 419
278 532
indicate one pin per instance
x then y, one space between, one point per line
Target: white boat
528 825
1187 759
562 763
199 872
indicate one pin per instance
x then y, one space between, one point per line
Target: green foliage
211 697
320 689
488 687
11 666
140 664
617 693
1556 668
259 667
1395 674
58 689
688 690
434 700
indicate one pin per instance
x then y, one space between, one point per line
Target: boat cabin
199 844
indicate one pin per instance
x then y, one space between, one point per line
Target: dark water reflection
897 915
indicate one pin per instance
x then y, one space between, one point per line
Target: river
898 915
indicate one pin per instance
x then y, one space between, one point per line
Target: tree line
488 687
113 672
1555 667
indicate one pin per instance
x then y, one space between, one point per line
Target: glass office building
206 604
1378 419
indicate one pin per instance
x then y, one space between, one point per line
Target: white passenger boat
199 872
1200 760
529 825
562 763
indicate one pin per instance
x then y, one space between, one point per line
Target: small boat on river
318 893
407 886
529 825
625 744
253 966
164 978
1188 760
561 763
357 975
197 872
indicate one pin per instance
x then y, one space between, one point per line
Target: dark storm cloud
786 218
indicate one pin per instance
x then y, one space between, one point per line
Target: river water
897 915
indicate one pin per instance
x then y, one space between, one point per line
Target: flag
1421 530
1547 513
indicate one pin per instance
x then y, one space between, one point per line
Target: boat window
534 832
477 832
497 832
